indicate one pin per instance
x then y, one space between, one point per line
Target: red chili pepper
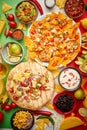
41 112
38 6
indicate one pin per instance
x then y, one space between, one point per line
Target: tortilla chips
5 7
60 3
2 24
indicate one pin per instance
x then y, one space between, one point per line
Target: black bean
64 103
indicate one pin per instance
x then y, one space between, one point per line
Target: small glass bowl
5 54
49 5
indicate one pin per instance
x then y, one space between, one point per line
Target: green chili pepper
85 6
49 118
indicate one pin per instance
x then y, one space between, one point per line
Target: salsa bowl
74 8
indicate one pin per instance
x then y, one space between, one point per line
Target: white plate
78 30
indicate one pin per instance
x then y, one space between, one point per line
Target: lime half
83 112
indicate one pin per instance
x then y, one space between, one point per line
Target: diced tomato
11 90
30 82
54 64
52 39
31 90
33 31
42 88
47 81
23 84
15 98
26 97
76 37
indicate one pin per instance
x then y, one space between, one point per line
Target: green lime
79 94
15 49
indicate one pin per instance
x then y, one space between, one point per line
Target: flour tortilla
45 95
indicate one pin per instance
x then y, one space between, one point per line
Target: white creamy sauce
69 78
50 3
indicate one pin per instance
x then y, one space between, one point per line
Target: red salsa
18 34
74 8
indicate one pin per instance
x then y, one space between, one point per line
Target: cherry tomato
13 105
10 17
10 32
3 105
12 24
1 117
7 107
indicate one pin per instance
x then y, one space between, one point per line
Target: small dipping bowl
21 117
69 78
18 34
49 4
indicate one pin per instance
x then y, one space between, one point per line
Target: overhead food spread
43 65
